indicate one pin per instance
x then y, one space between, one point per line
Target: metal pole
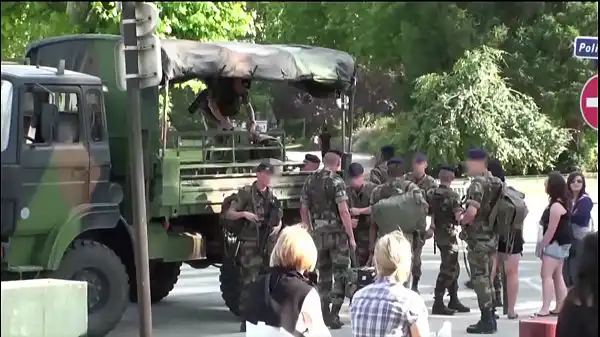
136 171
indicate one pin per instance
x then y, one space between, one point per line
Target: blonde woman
284 302
387 308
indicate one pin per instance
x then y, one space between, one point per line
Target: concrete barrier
44 308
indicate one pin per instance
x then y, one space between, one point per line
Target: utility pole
141 69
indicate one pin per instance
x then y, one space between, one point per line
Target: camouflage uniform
481 245
321 193
379 174
359 199
425 183
252 260
444 203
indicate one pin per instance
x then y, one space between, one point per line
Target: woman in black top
579 315
555 244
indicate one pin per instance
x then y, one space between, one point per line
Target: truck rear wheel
163 277
231 284
107 280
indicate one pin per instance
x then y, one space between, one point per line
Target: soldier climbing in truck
66 199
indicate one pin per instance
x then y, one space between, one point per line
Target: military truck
66 206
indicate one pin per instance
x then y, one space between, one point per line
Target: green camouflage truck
66 210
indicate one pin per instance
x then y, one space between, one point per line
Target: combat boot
415 285
455 303
334 318
439 308
485 326
326 313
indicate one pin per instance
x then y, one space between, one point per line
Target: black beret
420 157
356 170
265 167
446 167
387 149
477 154
336 152
395 161
312 158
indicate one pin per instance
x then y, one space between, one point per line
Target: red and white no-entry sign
588 102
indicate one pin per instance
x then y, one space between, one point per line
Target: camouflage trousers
252 264
418 241
361 236
449 267
333 264
479 256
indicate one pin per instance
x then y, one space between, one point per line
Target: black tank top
563 234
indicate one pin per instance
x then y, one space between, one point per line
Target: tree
474 106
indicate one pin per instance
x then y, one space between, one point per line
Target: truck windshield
7 95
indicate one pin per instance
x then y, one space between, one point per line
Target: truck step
24 269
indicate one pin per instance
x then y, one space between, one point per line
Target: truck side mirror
47 119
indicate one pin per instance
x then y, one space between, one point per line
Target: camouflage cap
265 167
387 149
356 170
477 154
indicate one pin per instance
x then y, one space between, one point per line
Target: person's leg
409 238
480 261
444 281
324 273
251 264
560 289
340 255
549 265
454 273
511 268
418 243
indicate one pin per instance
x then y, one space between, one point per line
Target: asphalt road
195 308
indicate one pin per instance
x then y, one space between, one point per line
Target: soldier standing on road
325 207
395 185
445 207
379 173
425 183
480 238
359 196
255 203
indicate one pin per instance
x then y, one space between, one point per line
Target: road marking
591 102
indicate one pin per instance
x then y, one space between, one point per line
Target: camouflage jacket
323 190
391 188
249 198
379 174
361 198
444 203
480 195
426 183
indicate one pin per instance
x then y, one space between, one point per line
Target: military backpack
404 212
508 213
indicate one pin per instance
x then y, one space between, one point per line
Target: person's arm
304 214
582 212
457 209
474 200
375 176
341 199
420 325
237 207
311 322
556 211
214 108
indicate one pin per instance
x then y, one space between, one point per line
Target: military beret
477 154
446 167
356 170
312 158
336 152
420 157
265 167
387 149
395 161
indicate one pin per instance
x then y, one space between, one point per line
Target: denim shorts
556 251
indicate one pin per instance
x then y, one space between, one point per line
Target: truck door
55 171
10 167
99 151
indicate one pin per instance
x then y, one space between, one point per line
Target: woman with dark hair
508 252
555 244
579 316
581 215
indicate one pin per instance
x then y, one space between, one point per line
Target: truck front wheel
163 277
231 284
107 280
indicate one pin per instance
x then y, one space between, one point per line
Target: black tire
231 284
95 263
163 277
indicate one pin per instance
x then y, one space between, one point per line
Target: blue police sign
586 47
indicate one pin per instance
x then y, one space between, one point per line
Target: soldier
359 195
325 208
379 174
445 207
257 205
480 238
425 183
311 163
395 185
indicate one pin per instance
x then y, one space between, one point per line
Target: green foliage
473 106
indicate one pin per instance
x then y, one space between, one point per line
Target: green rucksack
509 211
404 212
